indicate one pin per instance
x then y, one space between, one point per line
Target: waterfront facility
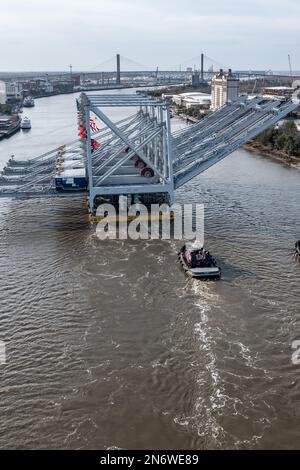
2 92
225 89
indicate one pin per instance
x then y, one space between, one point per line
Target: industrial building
197 100
2 92
225 89
196 79
13 91
278 91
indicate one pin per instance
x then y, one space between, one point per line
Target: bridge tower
202 68
118 80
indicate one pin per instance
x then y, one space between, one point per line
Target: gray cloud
49 35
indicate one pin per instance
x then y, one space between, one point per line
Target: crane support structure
139 156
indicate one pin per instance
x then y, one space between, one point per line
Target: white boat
25 123
198 262
28 102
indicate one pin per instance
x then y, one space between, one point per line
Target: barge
71 179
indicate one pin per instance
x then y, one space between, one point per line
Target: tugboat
198 262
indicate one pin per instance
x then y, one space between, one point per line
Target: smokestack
118 70
202 67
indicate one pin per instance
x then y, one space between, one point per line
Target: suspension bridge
130 68
139 156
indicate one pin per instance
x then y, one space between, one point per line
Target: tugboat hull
212 272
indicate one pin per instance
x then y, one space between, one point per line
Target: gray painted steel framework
148 137
171 160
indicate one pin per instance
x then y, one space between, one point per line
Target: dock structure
139 157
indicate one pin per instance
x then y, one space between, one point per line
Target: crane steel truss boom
139 154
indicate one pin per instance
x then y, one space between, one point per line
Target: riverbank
93 88
278 155
82 89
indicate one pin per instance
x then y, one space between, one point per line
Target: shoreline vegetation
280 143
265 151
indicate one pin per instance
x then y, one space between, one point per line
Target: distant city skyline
50 35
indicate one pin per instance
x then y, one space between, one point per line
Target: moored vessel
71 179
25 123
28 102
9 125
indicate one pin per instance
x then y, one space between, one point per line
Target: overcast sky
243 34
